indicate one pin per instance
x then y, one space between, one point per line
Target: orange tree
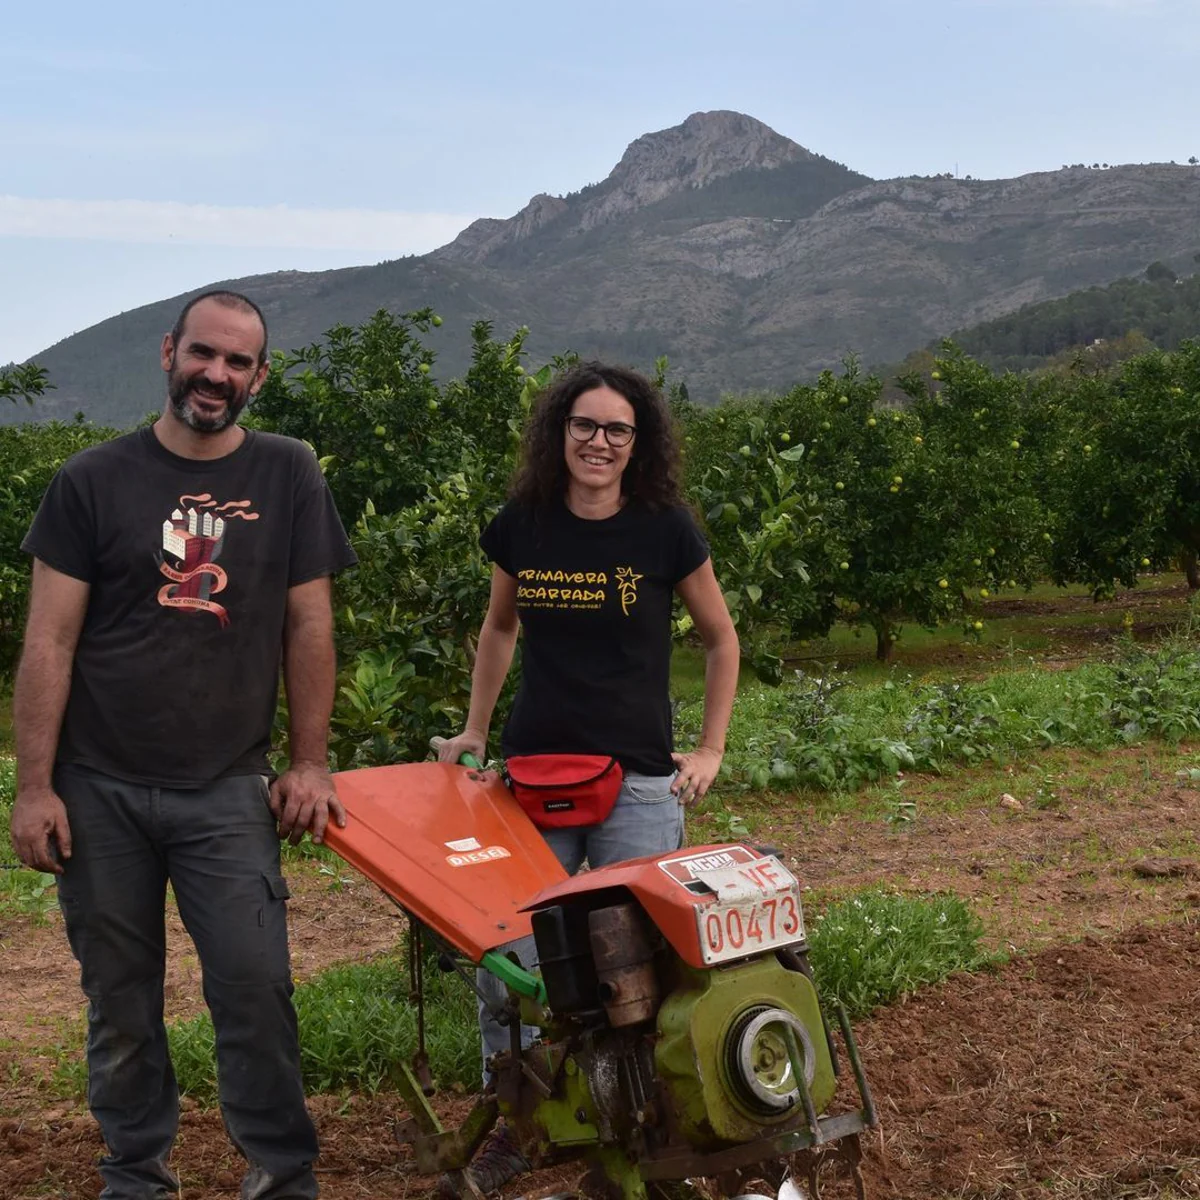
417 469
924 508
365 399
29 456
1125 480
765 524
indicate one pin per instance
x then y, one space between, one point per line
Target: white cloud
31 141
387 234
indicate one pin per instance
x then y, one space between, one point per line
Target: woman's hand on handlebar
467 742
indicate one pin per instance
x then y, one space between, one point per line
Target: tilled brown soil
1072 1072
1075 1073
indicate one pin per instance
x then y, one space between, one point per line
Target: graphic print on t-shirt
193 536
627 583
550 588
561 589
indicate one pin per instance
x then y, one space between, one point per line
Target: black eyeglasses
616 433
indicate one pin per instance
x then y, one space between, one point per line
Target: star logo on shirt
627 583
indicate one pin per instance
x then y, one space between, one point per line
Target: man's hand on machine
468 742
697 770
302 798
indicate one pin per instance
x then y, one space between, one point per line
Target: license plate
756 907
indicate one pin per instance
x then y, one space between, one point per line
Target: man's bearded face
203 404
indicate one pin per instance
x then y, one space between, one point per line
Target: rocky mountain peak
705 147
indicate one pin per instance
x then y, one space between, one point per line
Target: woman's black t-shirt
594 599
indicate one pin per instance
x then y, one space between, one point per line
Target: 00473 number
731 930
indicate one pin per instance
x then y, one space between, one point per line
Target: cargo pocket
277 891
272 920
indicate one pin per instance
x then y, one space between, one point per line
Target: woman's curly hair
652 475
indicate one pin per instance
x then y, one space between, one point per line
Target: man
174 569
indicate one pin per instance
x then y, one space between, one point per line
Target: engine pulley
758 1061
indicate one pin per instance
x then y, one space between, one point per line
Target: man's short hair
228 300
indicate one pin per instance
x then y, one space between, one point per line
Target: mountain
748 260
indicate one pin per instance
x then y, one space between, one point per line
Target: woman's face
595 462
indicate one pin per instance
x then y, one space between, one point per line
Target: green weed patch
356 1026
818 732
877 947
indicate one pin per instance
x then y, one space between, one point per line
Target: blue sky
148 149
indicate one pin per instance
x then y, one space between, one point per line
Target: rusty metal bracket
796 1057
423 1120
685 1165
847 1151
860 1078
449 1150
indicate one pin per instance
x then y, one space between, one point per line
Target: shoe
498 1162
260 1184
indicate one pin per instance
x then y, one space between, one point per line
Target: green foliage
357 1024
877 947
952 723
365 399
417 470
763 524
823 506
811 743
23 382
406 620
1152 694
8 788
820 733
1162 310
1125 477
29 457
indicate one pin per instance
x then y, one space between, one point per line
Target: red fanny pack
560 790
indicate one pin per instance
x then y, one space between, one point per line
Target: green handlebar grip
467 759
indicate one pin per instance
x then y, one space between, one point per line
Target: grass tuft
878 946
356 1026
822 732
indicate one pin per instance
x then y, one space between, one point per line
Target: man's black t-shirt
189 562
594 599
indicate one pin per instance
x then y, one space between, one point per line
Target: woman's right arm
493 657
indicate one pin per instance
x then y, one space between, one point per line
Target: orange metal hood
450 845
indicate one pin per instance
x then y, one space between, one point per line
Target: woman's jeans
646 819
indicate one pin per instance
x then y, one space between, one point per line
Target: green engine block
723 1055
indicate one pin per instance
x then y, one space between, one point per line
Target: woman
587 556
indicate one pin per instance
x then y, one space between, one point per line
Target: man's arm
57 605
303 796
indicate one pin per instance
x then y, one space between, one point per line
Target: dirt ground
1073 1071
